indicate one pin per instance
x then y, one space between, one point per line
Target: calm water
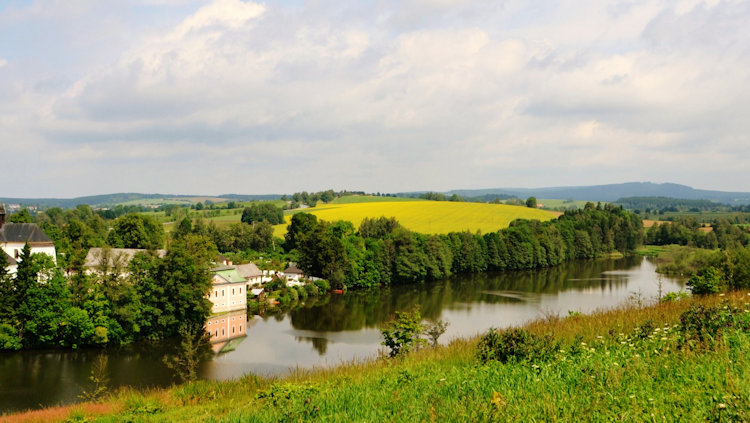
343 327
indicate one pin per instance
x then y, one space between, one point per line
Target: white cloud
385 98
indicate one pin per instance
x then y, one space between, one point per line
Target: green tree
263 211
531 202
22 217
136 231
402 334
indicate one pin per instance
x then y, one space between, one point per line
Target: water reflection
332 329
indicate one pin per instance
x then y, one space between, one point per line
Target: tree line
689 232
381 251
149 298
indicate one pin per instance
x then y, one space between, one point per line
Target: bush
9 339
301 292
675 296
701 325
708 282
402 334
323 285
515 345
312 290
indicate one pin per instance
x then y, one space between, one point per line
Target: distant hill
130 198
613 192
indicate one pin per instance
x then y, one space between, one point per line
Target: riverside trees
149 300
383 252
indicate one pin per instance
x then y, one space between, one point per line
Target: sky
229 96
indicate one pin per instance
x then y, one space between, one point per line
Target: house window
222 292
16 254
240 290
222 332
240 328
232 329
216 293
216 333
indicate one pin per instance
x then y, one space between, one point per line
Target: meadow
634 363
429 217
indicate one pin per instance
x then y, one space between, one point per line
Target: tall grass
628 364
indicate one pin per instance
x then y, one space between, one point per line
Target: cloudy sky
228 96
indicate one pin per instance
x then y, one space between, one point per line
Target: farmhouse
252 274
293 273
105 260
13 237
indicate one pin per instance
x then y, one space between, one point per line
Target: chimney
2 215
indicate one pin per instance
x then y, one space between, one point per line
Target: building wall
13 249
228 297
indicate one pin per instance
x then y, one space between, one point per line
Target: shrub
312 290
401 335
675 296
515 345
708 282
702 325
323 285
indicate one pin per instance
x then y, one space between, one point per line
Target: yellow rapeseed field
429 217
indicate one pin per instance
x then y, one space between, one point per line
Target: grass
624 364
549 203
429 217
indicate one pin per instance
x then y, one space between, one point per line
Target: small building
293 274
229 290
252 274
102 260
13 237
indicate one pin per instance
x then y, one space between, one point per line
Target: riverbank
630 363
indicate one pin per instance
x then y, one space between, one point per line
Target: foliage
433 330
193 349
98 378
136 231
708 282
383 252
515 345
531 202
262 212
402 334
22 216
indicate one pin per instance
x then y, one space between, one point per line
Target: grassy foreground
630 364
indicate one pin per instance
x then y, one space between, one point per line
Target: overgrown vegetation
634 364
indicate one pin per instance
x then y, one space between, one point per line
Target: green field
429 217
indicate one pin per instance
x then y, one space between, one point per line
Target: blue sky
226 96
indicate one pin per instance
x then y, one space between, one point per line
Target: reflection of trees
370 308
319 344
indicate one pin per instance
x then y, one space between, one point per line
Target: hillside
629 364
131 198
429 217
614 192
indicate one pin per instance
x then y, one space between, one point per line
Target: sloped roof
230 275
116 256
249 270
23 232
8 259
293 269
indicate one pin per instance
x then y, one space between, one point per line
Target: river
338 328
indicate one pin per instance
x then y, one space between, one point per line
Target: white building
13 237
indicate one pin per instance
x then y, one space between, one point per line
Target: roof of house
229 275
293 269
121 256
8 259
249 270
23 232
